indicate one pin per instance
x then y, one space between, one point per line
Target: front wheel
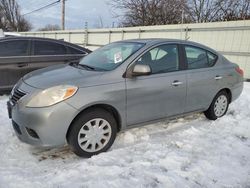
92 132
219 106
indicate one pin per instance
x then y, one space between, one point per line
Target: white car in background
8 34
1 33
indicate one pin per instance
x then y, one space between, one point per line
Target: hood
61 75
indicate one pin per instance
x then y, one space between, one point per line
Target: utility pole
63 14
86 34
182 21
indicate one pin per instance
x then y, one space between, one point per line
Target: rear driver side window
48 48
199 58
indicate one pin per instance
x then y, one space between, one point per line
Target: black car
21 55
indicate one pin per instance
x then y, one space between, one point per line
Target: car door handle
176 83
22 65
218 77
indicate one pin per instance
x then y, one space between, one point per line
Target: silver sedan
118 86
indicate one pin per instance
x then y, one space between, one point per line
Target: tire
93 132
211 113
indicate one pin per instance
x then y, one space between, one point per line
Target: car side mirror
141 70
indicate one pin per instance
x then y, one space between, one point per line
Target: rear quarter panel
202 85
233 80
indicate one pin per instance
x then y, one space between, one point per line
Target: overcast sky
77 13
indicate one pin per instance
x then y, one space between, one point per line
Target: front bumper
42 126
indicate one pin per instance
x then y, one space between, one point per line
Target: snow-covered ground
187 152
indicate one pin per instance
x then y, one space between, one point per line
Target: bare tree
50 27
10 17
245 9
158 12
217 10
100 22
233 10
202 10
148 12
2 19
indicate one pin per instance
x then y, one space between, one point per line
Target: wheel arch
109 108
209 112
228 91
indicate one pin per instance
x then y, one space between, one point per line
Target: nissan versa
118 86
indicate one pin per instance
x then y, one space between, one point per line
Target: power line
35 3
43 7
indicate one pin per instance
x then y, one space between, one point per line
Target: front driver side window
161 59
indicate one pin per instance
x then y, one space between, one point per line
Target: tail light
240 71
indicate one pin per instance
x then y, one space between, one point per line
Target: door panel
11 70
202 84
201 88
14 60
47 53
154 97
38 62
161 94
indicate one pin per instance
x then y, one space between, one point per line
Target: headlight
52 96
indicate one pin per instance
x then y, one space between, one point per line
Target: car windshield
110 56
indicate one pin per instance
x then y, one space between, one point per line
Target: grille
16 96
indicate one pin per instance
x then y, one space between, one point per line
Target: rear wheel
92 132
219 106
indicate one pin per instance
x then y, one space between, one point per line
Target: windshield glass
110 56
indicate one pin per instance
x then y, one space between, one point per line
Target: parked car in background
21 55
118 86
1 33
11 34
8 34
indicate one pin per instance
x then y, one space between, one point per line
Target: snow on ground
187 152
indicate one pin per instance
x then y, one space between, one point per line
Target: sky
77 13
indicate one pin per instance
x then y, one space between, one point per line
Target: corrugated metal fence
230 38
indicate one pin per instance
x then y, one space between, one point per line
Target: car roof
45 39
152 41
158 40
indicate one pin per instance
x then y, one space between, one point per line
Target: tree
159 12
50 27
202 10
11 18
149 12
234 10
217 10
1 18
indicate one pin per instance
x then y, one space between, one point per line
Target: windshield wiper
87 67
91 68
76 64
